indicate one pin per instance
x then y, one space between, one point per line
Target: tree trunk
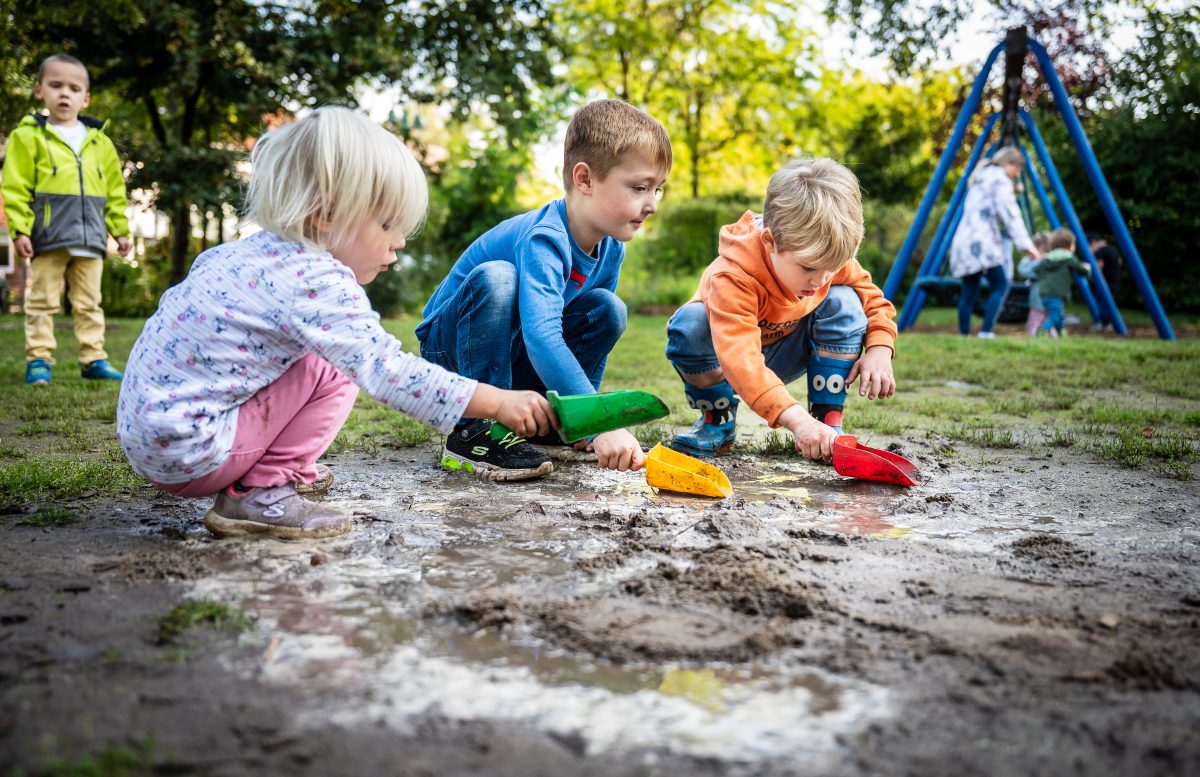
181 229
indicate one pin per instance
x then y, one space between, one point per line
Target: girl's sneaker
483 449
273 512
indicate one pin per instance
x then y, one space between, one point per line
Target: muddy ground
1018 613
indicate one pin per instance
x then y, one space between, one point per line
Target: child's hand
23 246
123 246
875 369
813 438
619 450
526 412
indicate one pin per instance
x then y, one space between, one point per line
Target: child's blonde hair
1062 237
814 209
319 179
601 132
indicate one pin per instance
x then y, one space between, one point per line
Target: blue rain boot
715 430
827 389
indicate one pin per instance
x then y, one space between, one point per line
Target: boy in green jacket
1053 273
64 194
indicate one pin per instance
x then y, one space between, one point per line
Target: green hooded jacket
58 199
1053 272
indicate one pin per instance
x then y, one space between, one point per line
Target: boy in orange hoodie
785 297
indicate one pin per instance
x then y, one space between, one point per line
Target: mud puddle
1013 614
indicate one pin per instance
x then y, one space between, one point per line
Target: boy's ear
768 241
87 100
582 178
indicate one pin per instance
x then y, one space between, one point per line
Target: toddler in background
1054 276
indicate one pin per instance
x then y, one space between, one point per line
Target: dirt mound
1051 550
1141 670
729 578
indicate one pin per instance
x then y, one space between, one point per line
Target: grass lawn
1136 401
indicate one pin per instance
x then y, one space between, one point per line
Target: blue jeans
998 281
1054 312
478 334
838 325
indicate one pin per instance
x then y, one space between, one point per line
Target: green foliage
217 73
131 286
684 237
192 613
1145 148
715 73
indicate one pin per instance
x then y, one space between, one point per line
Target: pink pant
282 430
1033 321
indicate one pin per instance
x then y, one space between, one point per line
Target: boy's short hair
319 179
1062 238
66 59
603 131
814 209
1041 241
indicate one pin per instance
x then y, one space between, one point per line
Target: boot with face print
715 430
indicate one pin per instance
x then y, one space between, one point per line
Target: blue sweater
551 271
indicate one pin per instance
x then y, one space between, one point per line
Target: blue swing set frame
1014 116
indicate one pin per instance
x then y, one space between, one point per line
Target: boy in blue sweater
532 303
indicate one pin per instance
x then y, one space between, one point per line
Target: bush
685 232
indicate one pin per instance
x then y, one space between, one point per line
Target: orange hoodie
748 308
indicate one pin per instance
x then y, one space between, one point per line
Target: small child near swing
1037 311
1054 276
785 297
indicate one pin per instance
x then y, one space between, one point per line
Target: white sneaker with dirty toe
273 512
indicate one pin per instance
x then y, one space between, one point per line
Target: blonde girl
244 375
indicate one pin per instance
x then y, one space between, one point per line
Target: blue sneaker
37 373
715 430
100 370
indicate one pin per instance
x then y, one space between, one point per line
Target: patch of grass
51 515
775 443
984 435
653 434
1062 438
199 612
57 478
111 761
1171 454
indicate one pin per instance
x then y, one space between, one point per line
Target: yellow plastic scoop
673 471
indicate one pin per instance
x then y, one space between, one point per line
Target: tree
715 72
211 75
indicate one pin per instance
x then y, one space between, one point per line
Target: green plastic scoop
586 415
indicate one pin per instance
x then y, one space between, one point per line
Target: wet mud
1013 614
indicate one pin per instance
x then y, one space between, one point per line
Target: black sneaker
475 448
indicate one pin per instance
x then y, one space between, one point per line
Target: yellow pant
44 298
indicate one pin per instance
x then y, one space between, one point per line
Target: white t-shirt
73 135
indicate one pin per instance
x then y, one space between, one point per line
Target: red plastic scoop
858 461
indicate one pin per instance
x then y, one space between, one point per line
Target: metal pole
916 298
1109 205
1064 202
1084 289
896 275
